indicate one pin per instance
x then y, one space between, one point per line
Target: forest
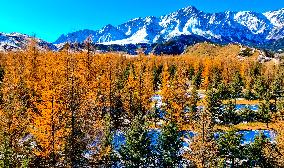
86 109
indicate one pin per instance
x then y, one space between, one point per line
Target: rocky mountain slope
17 41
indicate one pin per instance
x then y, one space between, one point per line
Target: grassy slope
207 49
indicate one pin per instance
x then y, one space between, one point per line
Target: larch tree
14 117
204 147
74 96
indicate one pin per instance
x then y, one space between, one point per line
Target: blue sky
48 19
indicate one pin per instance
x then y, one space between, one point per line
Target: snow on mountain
108 33
276 17
249 28
137 37
179 29
17 41
254 22
78 36
184 27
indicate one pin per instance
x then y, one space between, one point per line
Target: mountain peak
185 11
135 19
108 26
190 9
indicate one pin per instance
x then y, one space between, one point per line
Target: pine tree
216 78
169 146
190 73
213 103
197 79
137 151
106 157
265 113
261 88
256 152
236 86
229 115
229 147
194 98
276 88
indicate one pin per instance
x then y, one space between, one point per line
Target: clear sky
48 19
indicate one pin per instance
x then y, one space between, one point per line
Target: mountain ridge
245 27
17 41
173 32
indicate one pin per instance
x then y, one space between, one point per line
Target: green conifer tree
137 150
169 145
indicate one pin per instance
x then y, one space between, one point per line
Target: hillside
222 51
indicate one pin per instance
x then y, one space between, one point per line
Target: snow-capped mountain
245 27
172 33
17 41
